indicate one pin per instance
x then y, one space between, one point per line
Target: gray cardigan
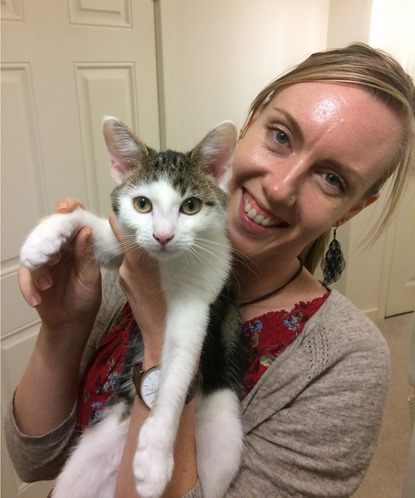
311 422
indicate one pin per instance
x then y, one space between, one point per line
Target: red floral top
268 336
101 376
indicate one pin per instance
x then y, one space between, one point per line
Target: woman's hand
68 290
139 279
67 296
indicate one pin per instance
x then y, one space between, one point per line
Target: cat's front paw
153 461
44 241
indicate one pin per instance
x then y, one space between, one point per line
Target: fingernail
88 235
44 283
33 301
55 259
62 207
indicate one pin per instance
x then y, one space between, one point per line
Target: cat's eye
192 205
142 204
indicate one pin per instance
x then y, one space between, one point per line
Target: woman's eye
142 204
281 137
334 181
190 206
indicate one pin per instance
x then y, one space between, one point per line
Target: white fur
57 231
93 469
219 441
193 268
188 298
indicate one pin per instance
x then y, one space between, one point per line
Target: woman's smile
258 215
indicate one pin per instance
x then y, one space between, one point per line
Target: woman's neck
256 279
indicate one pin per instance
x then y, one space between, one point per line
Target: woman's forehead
346 121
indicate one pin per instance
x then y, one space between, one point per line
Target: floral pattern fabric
101 376
269 335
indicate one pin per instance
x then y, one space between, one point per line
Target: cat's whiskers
109 254
104 261
247 263
130 244
211 249
241 260
192 255
216 249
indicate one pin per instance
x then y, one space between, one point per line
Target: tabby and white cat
174 206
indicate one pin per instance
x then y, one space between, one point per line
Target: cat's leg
219 441
91 470
58 230
153 461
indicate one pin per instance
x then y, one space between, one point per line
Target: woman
316 148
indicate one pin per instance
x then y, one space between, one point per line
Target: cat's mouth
258 215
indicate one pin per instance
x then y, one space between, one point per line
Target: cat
174 206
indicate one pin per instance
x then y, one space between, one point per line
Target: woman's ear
357 208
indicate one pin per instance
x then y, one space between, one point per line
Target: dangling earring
333 263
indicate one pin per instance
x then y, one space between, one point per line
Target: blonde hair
382 76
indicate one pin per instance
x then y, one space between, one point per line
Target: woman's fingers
68 204
30 290
86 266
115 228
131 251
33 282
55 259
126 247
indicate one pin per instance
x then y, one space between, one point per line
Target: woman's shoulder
340 330
339 316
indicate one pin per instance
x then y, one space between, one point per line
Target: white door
65 64
401 288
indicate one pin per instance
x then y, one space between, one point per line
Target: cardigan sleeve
38 458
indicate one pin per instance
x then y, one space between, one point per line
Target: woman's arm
42 457
67 296
185 473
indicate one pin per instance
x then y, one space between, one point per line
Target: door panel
64 66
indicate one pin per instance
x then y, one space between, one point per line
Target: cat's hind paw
153 462
44 241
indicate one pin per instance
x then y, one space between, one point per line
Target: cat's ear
125 149
215 152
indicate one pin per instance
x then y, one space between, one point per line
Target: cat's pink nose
163 239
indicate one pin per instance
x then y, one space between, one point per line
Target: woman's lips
258 215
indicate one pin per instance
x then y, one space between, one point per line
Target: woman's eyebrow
291 121
344 169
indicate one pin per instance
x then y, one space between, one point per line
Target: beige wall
217 55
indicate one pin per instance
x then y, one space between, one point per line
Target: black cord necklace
296 274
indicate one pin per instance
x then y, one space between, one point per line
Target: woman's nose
283 181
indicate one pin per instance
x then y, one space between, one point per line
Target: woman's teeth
253 215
